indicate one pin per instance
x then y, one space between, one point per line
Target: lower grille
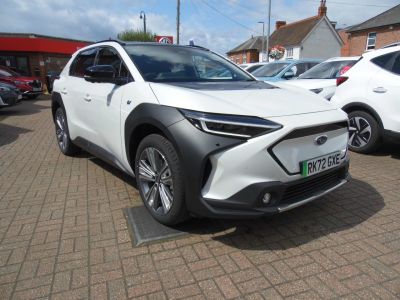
309 187
35 84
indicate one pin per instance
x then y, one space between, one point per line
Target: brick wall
345 50
358 40
251 56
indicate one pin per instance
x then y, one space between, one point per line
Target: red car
30 87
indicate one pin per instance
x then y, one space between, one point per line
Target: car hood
23 78
312 83
236 100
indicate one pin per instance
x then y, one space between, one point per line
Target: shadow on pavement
22 109
9 134
389 149
340 210
343 209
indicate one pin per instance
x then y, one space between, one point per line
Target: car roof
343 58
379 52
134 43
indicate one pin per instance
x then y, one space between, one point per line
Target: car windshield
270 70
160 63
327 70
251 69
8 72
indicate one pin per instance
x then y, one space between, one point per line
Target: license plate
19 97
320 164
35 89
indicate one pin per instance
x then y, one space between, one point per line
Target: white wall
321 43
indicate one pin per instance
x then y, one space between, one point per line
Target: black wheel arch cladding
193 146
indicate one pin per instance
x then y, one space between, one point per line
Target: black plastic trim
364 107
391 136
193 146
248 201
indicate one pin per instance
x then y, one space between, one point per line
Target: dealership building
36 55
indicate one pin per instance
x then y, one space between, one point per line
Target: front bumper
284 196
9 99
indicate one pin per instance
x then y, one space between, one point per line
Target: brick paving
63 234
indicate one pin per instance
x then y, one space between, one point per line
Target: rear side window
389 62
84 60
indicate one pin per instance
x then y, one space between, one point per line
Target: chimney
279 24
322 9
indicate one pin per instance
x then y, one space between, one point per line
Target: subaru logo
320 140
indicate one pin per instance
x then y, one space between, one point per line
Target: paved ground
63 234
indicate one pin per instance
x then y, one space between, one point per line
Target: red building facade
36 55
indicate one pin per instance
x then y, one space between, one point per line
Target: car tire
365 132
62 133
160 179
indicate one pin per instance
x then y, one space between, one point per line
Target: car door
103 108
383 90
73 89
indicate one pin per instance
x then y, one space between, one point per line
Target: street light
262 41
143 16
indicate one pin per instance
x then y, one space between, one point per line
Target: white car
370 93
251 67
321 79
228 146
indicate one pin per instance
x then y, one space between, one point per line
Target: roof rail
122 43
200 47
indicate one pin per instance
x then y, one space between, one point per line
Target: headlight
317 91
230 125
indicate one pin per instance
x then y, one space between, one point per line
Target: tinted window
109 56
389 62
183 64
253 68
396 64
84 60
270 70
327 70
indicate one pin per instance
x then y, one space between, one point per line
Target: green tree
136 35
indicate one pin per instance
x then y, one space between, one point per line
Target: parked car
253 66
321 79
369 92
31 87
229 146
9 95
284 69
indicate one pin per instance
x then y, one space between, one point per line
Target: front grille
309 187
35 84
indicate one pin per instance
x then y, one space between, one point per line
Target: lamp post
143 16
269 27
262 41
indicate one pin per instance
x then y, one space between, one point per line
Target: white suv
201 136
370 93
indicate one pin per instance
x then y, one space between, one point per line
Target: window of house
371 39
289 53
244 58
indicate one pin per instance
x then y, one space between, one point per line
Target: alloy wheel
155 180
61 132
360 132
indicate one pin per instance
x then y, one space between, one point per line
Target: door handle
64 91
87 98
380 90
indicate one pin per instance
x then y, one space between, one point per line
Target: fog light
266 198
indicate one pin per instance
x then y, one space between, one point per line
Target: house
375 33
314 37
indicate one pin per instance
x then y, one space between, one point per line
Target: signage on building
164 39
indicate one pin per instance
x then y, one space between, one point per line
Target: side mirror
100 73
288 75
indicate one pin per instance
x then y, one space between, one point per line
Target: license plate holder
319 164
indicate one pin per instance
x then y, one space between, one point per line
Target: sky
219 25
